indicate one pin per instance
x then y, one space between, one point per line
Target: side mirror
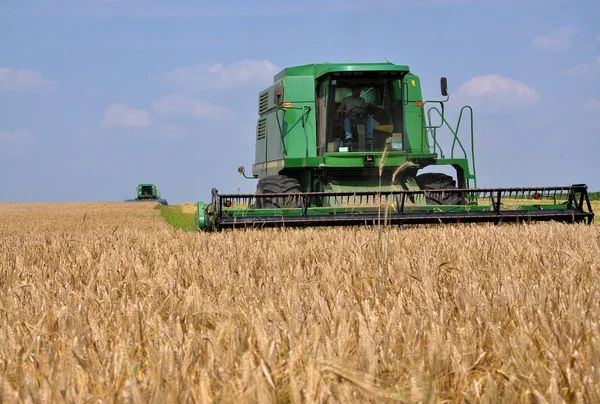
444 86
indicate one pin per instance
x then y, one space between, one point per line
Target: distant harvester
148 193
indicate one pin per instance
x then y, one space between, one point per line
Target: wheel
363 112
440 181
278 184
357 112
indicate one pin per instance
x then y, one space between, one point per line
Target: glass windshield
368 94
365 115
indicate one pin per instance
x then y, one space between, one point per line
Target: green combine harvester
356 144
148 193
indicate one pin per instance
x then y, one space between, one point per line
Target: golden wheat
105 302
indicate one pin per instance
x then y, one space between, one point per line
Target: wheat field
105 302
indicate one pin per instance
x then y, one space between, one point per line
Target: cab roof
318 70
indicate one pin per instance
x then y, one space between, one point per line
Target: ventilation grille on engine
263 103
261 129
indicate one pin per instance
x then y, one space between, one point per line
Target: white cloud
23 80
202 76
177 104
559 40
121 115
593 106
496 92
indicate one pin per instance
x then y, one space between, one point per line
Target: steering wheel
357 112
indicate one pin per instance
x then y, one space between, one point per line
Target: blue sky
97 96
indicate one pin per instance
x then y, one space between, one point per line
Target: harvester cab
148 193
352 144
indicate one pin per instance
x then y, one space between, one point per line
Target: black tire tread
278 184
440 181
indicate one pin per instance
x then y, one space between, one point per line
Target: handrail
280 127
456 139
454 132
432 128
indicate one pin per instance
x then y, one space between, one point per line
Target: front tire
278 184
435 181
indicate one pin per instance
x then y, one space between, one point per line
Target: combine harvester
148 193
310 174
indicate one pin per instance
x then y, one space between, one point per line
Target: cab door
323 115
414 120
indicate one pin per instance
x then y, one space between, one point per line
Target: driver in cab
357 103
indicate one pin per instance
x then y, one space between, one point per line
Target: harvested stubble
120 307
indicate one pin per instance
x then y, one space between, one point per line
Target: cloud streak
182 9
181 105
221 76
558 41
22 136
122 115
592 106
586 68
24 81
16 141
